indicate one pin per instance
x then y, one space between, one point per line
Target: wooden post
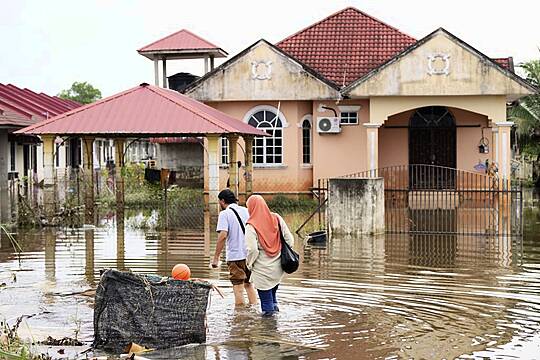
89 252
119 178
248 139
233 163
88 180
4 168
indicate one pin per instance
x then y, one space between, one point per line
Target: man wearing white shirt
231 228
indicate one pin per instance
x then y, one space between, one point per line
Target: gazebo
145 111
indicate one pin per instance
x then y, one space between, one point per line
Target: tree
526 112
81 92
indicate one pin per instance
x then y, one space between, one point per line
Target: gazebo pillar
248 163
233 163
49 203
213 172
164 61
89 179
156 72
119 179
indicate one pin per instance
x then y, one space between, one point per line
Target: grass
12 347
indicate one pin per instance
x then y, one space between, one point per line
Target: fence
436 199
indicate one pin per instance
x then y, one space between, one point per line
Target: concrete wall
291 176
356 206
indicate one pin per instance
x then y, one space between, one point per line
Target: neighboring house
351 93
23 107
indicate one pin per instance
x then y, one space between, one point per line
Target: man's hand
215 263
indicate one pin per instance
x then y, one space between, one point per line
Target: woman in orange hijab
263 243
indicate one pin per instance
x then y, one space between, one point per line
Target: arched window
306 141
267 150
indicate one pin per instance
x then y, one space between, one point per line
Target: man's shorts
238 272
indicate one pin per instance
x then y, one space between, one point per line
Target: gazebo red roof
181 42
143 111
346 45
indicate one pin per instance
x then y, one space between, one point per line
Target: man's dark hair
227 196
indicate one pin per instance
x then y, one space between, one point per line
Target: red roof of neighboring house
346 45
25 103
11 118
183 41
143 110
507 63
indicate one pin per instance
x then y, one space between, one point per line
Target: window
12 155
224 151
267 150
349 114
306 142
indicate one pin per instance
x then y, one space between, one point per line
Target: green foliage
526 113
282 203
81 92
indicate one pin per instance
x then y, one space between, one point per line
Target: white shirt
236 243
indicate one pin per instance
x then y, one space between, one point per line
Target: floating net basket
148 310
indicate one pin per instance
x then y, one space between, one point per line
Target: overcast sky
47 45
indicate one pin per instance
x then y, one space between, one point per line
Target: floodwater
387 297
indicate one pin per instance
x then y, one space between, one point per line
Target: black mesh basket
148 311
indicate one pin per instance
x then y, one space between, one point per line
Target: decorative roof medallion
439 64
261 70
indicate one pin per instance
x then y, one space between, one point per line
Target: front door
432 141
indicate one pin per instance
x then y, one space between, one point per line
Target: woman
264 251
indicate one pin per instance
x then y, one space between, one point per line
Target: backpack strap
239 220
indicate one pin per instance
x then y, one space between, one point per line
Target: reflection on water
371 297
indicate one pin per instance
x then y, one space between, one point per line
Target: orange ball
181 272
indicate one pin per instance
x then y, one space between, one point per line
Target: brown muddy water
387 297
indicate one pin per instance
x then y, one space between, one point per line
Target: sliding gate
435 199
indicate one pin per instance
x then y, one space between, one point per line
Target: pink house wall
394 142
343 153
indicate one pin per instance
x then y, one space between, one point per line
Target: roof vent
144 84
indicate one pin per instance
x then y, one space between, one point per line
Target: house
351 93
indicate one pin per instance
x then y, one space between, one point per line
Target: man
231 228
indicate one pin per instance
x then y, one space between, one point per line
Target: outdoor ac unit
328 125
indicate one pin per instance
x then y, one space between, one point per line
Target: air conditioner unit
328 125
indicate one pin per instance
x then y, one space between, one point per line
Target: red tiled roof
180 40
26 104
175 140
346 45
507 63
143 110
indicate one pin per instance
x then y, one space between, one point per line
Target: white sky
47 45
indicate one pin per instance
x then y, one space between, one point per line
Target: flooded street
392 296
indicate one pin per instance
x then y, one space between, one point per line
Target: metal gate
431 199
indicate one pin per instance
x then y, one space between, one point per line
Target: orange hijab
265 224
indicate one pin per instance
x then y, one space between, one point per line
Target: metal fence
435 199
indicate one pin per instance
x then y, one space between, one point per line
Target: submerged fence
436 199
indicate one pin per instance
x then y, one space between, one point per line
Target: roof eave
171 54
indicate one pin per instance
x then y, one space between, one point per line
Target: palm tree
526 113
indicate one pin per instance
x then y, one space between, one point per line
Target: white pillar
156 72
213 172
495 144
205 65
211 63
504 149
372 143
164 73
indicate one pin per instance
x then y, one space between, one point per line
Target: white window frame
284 124
224 155
349 109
